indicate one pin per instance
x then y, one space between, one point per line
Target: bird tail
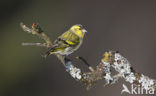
46 54
49 52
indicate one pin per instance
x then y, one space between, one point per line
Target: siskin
68 42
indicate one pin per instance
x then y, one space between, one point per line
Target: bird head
78 30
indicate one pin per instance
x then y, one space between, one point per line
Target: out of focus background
128 26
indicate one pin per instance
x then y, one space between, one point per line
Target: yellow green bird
69 41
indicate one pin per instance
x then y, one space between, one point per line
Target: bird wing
70 38
67 39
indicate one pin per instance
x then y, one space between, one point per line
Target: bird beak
83 30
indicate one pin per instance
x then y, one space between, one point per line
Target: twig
85 62
35 44
36 31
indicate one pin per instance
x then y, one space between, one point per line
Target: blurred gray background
128 26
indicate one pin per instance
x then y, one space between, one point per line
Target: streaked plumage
69 41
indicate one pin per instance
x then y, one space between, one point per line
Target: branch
36 30
35 44
110 59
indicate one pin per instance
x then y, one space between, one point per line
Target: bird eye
80 28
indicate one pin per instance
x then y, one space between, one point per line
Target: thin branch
85 62
35 31
35 44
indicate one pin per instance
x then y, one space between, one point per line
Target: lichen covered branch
123 67
110 59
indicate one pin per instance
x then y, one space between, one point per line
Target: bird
68 42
